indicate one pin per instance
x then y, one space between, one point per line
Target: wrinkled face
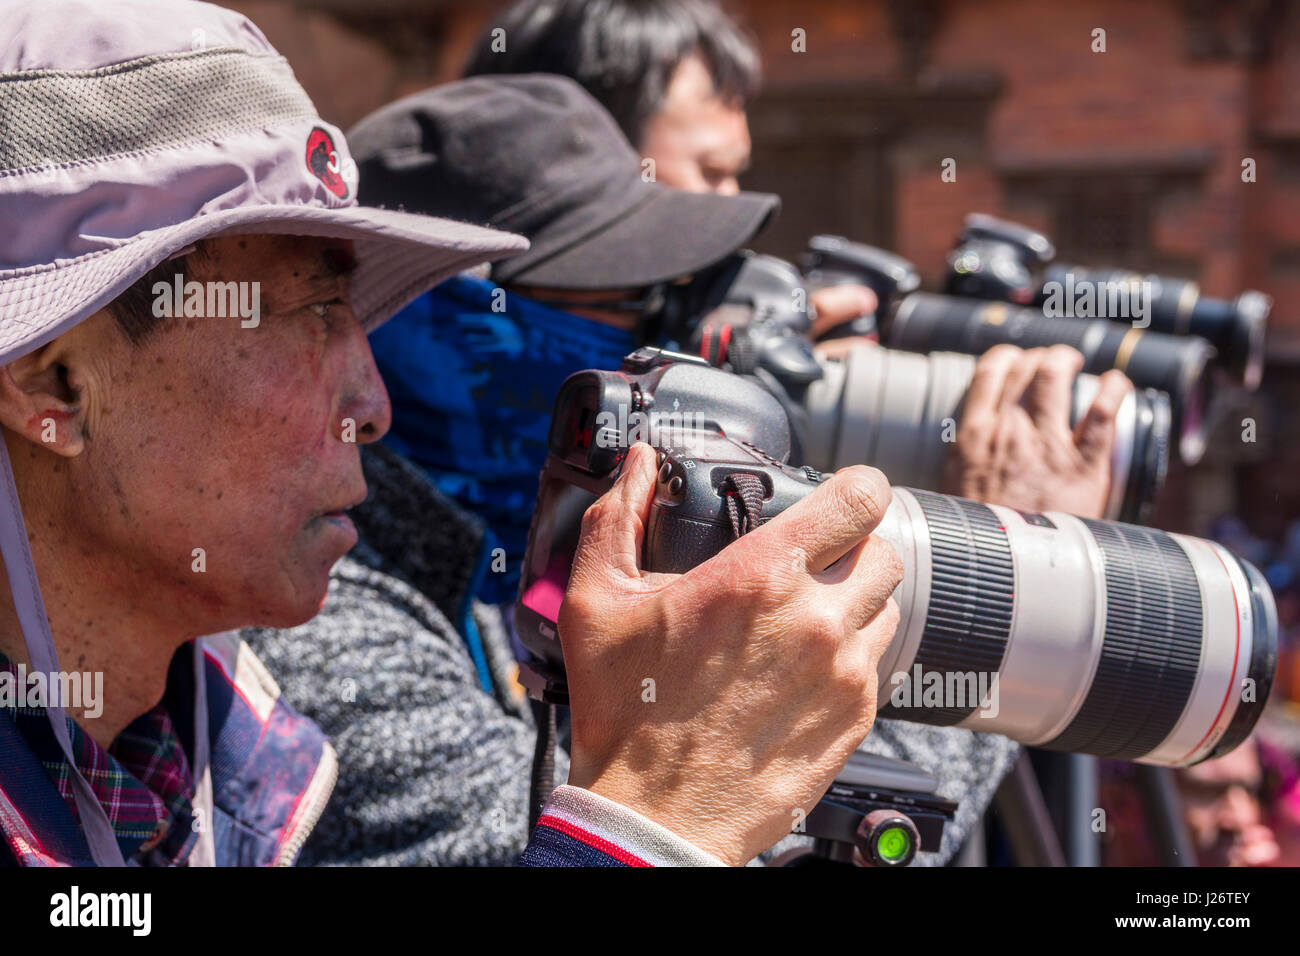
698 142
240 441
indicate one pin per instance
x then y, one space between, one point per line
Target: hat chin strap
43 658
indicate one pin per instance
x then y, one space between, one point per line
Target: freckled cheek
269 409
295 415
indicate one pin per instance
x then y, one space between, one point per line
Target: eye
322 309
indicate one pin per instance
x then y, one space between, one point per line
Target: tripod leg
1022 812
1082 797
1165 813
973 851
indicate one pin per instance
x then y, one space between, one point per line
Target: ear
37 402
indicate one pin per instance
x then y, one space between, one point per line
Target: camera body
835 260
749 314
690 520
706 425
996 259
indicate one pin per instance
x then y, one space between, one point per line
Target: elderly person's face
208 435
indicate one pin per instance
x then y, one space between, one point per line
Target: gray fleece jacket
433 766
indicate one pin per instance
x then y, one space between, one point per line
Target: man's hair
624 52
133 308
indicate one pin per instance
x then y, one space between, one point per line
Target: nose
365 413
1237 809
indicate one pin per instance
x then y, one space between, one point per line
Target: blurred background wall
1130 157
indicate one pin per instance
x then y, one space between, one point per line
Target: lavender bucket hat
128 131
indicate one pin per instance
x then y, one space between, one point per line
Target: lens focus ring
1151 650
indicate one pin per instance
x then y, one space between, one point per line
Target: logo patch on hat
324 162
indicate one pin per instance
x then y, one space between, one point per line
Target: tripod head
878 812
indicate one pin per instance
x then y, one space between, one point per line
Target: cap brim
669 234
399 256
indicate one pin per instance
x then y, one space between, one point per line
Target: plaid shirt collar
143 780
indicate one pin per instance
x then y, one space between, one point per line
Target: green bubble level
894 843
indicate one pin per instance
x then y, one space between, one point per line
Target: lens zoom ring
972 591
1152 647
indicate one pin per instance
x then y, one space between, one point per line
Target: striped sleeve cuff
621 834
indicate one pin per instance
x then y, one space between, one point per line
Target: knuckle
890 617
823 630
1115 375
1001 353
1115 385
975 427
876 591
594 516
867 711
891 565
1062 361
880 634
852 681
861 489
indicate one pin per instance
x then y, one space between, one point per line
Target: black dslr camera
834 260
723 444
748 314
707 425
996 259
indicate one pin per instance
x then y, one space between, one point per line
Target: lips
339 520
347 505
338 517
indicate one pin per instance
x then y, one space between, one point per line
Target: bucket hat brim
399 256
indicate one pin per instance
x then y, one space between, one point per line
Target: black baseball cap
535 154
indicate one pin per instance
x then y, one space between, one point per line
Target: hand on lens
1014 444
722 702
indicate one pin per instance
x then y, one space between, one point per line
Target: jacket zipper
314 800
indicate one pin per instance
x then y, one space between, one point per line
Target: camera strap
744 496
744 501
542 781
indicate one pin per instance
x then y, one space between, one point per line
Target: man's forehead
299 256
705 122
